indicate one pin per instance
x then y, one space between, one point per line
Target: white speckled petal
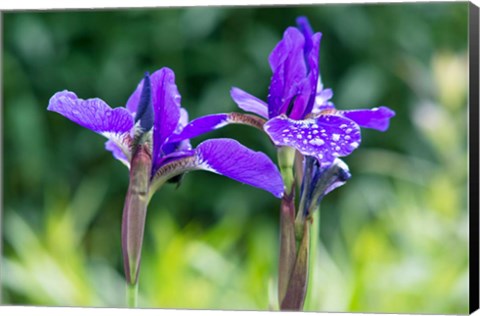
325 137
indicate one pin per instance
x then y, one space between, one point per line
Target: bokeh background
393 239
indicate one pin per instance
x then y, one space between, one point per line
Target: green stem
286 157
132 295
312 288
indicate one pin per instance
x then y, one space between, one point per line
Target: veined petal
249 103
166 106
226 157
289 70
231 159
376 118
93 114
212 122
325 137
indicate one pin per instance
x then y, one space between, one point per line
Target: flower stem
132 295
312 292
286 157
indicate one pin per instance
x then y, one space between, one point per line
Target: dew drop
335 137
317 141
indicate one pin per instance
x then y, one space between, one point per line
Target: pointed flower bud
145 108
319 181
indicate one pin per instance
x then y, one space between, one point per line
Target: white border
91 4
96 4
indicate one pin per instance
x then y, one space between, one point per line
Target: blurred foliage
394 239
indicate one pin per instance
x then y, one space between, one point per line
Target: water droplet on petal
317 142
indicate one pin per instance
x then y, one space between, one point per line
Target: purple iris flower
298 112
157 106
142 136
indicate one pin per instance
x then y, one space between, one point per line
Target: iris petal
231 159
325 137
93 114
166 105
376 118
249 103
289 70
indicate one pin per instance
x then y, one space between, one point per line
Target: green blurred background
393 239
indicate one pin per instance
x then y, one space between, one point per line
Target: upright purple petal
249 103
93 114
134 99
312 78
289 70
306 29
376 118
325 137
166 105
230 158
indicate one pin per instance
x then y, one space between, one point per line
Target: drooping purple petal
289 70
166 105
376 118
325 137
230 158
93 114
249 103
